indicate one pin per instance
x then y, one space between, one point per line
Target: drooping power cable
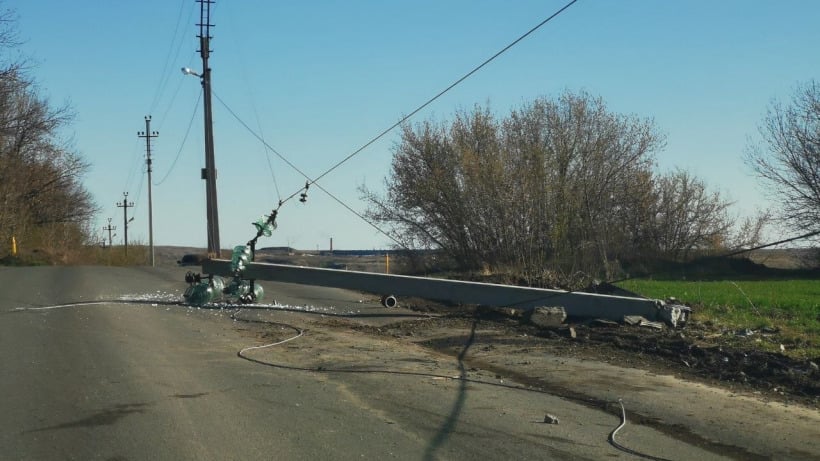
441 93
313 181
403 119
184 139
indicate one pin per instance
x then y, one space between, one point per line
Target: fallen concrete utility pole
576 304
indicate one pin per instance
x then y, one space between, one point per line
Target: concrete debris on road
673 314
642 322
547 317
550 419
633 319
655 325
603 323
669 313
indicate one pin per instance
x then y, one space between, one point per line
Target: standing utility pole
209 173
148 134
110 228
125 205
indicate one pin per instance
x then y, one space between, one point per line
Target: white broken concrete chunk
675 315
548 317
633 319
641 321
655 325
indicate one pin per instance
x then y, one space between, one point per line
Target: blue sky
319 79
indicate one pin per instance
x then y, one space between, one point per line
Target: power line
139 192
733 253
170 105
441 93
384 132
234 32
374 226
165 69
309 182
184 139
137 161
403 119
759 247
257 136
284 159
270 165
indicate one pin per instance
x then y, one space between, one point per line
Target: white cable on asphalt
59 306
301 332
623 448
96 303
250 348
409 373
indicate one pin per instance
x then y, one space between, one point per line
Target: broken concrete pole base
546 317
675 315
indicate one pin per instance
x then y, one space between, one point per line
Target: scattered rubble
674 314
546 317
550 419
701 351
642 322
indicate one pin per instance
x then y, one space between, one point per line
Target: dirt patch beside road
703 404
696 353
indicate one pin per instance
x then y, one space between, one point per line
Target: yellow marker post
13 246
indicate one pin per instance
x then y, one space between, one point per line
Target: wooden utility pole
125 205
110 228
148 134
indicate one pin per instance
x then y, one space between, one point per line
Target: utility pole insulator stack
148 134
125 205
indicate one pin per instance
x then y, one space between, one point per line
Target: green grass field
792 306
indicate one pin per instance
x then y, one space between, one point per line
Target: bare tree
588 166
687 216
42 198
560 184
554 181
788 163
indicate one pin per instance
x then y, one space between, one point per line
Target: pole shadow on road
449 424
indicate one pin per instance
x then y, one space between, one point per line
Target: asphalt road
87 374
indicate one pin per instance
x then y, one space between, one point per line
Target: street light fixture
189 71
